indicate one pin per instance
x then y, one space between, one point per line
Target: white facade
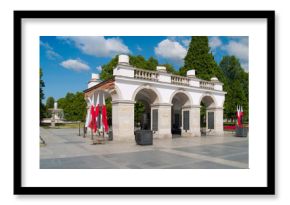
170 94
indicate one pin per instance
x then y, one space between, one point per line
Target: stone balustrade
174 79
206 84
179 80
145 74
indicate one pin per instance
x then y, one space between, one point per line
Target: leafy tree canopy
74 106
238 83
49 102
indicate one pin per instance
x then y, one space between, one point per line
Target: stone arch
181 102
116 93
183 92
213 117
148 90
210 100
145 96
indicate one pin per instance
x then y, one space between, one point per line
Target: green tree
41 96
109 110
139 109
74 106
139 62
49 104
151 64
107 69
237 81
200 59
170 69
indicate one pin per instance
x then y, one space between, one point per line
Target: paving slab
83 162
149 159
202 165
64 149
211 150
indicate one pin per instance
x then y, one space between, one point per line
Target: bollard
85 131
79 128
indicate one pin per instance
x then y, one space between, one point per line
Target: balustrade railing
179 80
175 79
145 74
206 85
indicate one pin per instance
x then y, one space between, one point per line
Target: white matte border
255 176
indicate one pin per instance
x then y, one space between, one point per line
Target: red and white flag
238 115
93 124
104 115
97 111
241 115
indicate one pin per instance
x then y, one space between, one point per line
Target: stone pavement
66 150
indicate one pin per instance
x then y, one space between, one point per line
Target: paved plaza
64 149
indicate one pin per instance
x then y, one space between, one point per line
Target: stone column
218 120
194 121
123 120
164 120
88 130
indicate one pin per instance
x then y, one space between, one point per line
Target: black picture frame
268 190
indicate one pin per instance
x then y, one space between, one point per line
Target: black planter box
110 134
144 137
242 131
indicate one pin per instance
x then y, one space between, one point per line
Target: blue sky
67 62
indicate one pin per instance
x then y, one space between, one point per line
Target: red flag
93 124
241 117
238 116
104 115
97 112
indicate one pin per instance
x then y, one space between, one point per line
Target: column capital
123 102
191 106
215 108
161 104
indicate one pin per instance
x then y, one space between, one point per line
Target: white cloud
98 45
186 42
50 53
215 42
99 68
170 50
238 46
46 45
75 64
238 49
139 48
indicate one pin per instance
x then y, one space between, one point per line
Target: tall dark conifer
201 60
